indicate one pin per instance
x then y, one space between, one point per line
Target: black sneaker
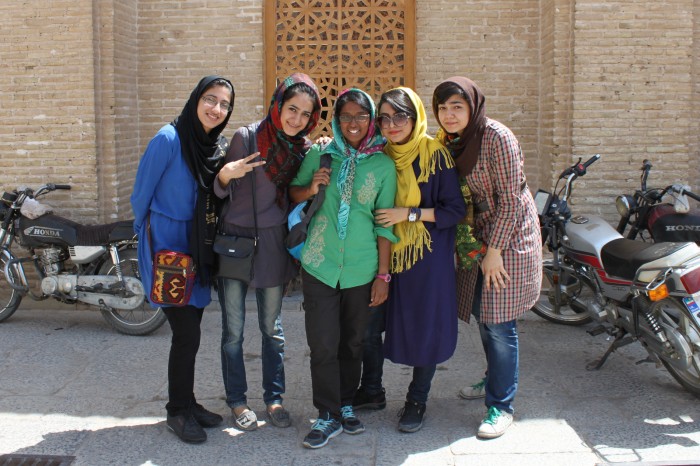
411 416
322 431
351 424
364 400
204 417
186 427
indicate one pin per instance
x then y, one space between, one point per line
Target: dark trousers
373 354
335 326
185 324
420 384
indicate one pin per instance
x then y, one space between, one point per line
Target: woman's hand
322 176
238 168
494 273
389 217
380 292
323 141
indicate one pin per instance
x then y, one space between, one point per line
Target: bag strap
148 233
316 202
255 208
251 140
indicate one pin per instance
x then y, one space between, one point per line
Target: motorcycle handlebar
59 186
579 169
691 195
591 160
646 168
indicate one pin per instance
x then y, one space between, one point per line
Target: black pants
185 323
335 326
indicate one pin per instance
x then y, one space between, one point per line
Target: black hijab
204 154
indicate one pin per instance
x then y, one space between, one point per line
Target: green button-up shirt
353 261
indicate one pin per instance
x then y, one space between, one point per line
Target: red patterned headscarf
282 153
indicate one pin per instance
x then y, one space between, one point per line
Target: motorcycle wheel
562 312
140 321
9 297
672 314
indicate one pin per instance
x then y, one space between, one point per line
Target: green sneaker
474 392
495 423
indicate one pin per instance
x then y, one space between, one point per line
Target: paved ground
69 385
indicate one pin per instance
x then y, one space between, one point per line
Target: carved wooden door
368 44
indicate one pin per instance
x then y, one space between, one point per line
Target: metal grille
368 44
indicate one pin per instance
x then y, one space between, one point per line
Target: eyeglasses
361 118
211 102
399 120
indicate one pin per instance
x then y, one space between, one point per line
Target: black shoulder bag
235 253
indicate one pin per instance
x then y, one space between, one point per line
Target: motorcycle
651 219
92 264
636 291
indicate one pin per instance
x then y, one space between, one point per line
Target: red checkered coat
509 224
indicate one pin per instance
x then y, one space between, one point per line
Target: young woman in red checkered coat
507 283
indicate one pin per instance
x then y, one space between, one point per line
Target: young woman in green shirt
345 260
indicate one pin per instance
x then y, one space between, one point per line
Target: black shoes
206 418
411 416
364 400
186 427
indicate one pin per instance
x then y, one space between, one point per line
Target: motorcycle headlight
624 205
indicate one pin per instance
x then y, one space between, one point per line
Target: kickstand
620 341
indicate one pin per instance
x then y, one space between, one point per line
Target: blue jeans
420 385
373 347
500 343
232 295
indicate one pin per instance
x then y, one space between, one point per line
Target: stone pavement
70 385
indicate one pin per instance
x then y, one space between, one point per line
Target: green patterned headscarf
372 143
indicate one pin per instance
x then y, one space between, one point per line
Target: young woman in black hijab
173 193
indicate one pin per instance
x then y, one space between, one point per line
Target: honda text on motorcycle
651 218
636 291
93 264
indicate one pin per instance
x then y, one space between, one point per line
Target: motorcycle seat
122 231
622 257
100 235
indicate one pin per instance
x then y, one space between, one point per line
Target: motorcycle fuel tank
588 234
47 230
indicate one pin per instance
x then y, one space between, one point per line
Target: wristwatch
384 276
413 214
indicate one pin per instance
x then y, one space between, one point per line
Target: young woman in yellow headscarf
421 313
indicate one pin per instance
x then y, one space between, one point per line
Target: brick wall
494 43
86 84
47 101
633 93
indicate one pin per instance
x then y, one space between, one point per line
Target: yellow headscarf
413 236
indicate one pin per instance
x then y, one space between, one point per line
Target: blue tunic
421 327
165 189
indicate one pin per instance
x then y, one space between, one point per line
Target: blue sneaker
322 431
351 424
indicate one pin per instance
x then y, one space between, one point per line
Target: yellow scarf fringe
413 236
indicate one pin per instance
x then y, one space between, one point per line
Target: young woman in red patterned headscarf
270 151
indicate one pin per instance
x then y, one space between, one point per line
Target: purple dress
421 313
